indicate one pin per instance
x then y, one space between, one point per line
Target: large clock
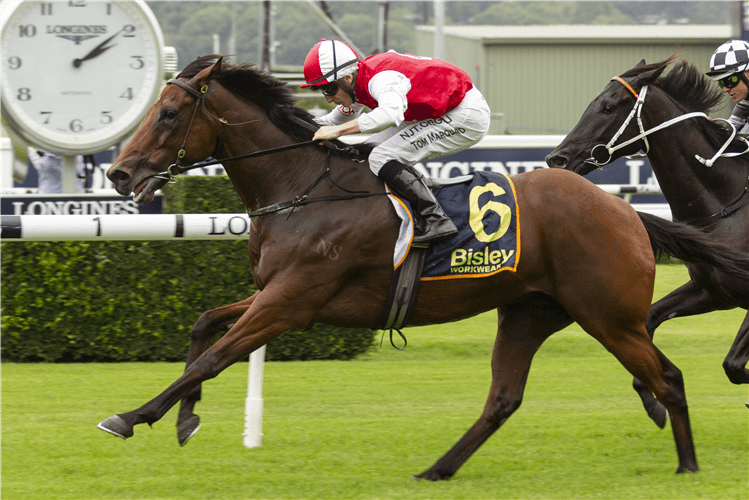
78 76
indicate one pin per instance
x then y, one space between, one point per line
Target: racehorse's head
584 148
176 130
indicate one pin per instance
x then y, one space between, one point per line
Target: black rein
176 169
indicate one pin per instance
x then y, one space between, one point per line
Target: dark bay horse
714 198
587 256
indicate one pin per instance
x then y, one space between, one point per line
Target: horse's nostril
556 161
118 176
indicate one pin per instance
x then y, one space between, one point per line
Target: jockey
729 66
421 108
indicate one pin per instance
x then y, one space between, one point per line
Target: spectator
49 169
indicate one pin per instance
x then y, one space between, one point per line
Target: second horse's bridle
639 104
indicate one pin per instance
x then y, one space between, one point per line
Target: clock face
79 76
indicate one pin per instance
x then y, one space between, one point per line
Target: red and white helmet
328 61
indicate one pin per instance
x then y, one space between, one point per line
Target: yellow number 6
477 213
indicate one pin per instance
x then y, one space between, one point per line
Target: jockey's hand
327 133
330 132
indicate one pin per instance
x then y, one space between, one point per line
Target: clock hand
96 51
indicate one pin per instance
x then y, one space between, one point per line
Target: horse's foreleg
262 322
209 324
687 300
522 330
737 357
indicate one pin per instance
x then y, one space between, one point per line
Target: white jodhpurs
417 141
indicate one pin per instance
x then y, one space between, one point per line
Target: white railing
118 227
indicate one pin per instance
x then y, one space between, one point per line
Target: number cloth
488 242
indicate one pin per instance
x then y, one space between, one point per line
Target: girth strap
403 288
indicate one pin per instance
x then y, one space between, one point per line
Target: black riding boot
409 184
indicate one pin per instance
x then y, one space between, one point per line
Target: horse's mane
692 91
275 97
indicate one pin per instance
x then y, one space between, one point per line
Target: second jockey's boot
409 184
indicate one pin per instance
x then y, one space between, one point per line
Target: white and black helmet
731 57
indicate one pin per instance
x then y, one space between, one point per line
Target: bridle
639 103
637 109
176 169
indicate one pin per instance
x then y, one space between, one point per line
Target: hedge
136 301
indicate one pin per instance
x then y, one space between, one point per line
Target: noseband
639 104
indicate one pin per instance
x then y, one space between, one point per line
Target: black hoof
747 404
659 414
687 468
431 475
187 429
117 427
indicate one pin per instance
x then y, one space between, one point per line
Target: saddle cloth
484 208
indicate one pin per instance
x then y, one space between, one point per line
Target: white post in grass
253 406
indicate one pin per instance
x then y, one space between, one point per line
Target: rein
176 169
639 104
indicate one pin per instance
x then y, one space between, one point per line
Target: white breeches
417 141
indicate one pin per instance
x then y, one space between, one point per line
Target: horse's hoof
431 475
659 415
747 404
687 468
187 429
117 427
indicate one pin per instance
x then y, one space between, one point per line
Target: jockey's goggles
331 89
729 82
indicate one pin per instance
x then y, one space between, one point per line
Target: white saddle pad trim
406 231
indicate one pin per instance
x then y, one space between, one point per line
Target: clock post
69 174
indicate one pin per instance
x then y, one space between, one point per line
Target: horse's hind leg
522 329
208 325
634 349
687 300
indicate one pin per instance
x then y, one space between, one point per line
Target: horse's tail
693 245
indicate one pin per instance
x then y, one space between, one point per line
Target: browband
626 85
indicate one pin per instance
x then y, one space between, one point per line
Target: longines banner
83 204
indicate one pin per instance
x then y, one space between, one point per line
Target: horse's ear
641 63
209 73
651 75
647 77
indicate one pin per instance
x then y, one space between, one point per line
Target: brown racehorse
586 255
715 198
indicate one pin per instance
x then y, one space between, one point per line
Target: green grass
360 429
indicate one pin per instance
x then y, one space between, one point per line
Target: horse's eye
169 114
608 109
